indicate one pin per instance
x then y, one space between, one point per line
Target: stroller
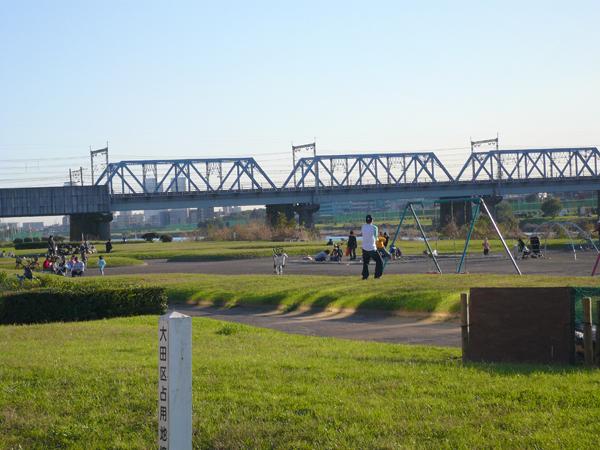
524 251
336 254
536 247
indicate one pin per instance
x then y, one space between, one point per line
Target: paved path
559 263
344 324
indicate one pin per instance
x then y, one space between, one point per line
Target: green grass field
132 253
115 261
422 293
93 385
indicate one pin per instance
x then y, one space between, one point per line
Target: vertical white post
175 382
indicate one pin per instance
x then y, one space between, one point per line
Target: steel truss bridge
158 184
193 183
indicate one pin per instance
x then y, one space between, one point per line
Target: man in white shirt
369 248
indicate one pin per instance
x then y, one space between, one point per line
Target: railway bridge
196 183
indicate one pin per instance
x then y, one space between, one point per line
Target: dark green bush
43 244
149 237
82 303
30 245
28 239
166 238
17 241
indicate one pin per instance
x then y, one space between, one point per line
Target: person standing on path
369 248
352 246
486 246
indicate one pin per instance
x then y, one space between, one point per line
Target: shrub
149 236
28 239
166 238
42 245
17 241
36 239
551 207
82 303
30 245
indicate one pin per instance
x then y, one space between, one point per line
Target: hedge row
41 245
54 305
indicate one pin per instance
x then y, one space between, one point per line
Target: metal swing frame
409 207
479 205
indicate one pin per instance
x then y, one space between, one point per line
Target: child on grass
101 264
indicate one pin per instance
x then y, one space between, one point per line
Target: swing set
480 205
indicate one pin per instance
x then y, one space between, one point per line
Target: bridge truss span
151 177
531 164
331 171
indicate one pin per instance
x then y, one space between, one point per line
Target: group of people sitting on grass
84 249
336 254
374 247
59 265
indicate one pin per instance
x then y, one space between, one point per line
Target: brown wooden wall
521 325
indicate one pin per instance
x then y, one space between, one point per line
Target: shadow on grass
424 302
527 369
417 301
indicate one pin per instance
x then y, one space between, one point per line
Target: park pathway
557 263
340 324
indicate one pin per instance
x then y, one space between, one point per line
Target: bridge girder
184 175
555 163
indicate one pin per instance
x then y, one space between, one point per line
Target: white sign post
175 382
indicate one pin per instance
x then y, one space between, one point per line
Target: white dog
279 260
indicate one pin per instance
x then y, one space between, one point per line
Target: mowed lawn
422 293
132 253
94 385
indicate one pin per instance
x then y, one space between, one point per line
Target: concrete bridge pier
92 226
462 210
273 212
306 213
459 211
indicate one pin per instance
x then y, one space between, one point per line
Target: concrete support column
91 226
306 214
458 210
462 210
273 212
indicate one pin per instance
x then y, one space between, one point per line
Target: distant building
127 219
10 226
178 217
150 185
231 210
180 185
32 226
201 214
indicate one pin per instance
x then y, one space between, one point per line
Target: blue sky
198 79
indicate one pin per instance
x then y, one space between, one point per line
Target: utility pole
489 142
299 148
100 166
